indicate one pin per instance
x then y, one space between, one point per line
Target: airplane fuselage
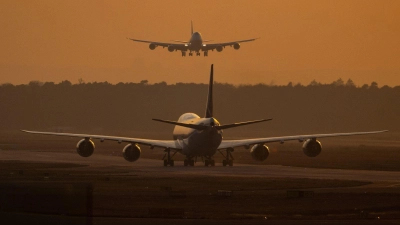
195 42
198 142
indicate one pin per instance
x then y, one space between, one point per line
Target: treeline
296 108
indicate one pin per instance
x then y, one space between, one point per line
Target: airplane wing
247 142
175 46
224 44
155 143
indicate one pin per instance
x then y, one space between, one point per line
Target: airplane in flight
195 137
195 44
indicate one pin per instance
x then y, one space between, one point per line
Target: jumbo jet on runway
201 137
195 44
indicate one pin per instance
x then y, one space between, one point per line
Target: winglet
209 109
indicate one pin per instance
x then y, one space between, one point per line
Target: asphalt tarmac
113 176
238 170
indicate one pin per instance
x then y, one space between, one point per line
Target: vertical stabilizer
209 109
191 25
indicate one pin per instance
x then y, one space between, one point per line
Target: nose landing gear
205 53
183 54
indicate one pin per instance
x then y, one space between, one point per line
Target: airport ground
355 180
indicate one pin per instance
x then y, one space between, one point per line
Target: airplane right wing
224 44
155 143
247 142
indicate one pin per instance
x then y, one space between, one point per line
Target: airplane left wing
170 46
152 42
155 143
247 142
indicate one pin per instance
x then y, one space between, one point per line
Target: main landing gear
188 162
168 160
228 157
209 162
197 53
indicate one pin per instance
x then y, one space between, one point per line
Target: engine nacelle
312 147
131 152
236 46
85 148
219 48
152 46
259 152
171 48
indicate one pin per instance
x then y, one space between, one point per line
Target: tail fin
191 23
209 109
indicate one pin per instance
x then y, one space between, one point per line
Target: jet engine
259 152
236 46
152 46
312 147
131 152
85 147
171 48
219 48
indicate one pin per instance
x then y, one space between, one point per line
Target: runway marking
394 185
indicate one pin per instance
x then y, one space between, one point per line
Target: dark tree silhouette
296 108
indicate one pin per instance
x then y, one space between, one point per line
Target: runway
151 167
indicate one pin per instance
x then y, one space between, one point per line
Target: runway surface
152 167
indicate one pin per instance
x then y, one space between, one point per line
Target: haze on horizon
299 41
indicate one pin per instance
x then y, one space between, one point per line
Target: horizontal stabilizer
185 42
193 126
203 127
226 126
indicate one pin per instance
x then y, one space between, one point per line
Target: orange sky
300 41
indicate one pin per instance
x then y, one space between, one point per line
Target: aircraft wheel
165 162
171 162
192 162
212 162
224 162
230 162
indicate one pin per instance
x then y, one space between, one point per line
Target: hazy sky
50 40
